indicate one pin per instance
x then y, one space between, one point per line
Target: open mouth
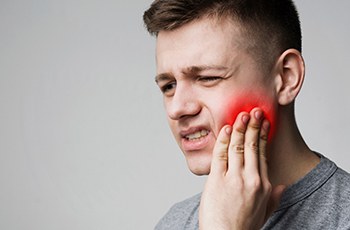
197 135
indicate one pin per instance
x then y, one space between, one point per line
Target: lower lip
195 145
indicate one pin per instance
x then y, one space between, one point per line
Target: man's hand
238 193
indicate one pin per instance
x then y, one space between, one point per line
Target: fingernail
245 119
228 130
258 114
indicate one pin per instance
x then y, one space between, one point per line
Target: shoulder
180 214
188 203
331 188
341 194
338 184
338 187
330 181
320 200
343 176
330 205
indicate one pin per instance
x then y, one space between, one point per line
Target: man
230 71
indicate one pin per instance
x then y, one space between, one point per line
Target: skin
203 69
202 98
242 175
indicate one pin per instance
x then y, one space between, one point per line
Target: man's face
207 77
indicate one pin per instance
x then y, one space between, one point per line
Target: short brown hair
269 26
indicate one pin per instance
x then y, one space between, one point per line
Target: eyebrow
163 77
188 71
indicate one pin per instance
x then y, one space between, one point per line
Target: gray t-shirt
320 200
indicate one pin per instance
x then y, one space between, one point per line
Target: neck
289 157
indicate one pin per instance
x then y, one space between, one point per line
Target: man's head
217 58
268 27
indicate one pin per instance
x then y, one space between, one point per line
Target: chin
199 164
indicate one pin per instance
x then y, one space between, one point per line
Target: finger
264 132
236 148
220 158
251 144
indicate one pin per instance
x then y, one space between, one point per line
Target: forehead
202 42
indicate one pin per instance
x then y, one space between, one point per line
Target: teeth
204 132
197 135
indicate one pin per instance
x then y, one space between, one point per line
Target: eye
209 78
168 88
209 81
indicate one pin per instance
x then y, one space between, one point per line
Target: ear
290 69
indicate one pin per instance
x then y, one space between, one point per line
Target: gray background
84 142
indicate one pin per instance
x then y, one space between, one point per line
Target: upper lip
192 130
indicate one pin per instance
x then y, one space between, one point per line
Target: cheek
246 101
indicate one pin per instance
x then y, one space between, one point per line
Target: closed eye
209 78
209 81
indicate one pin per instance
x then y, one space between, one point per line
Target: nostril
180 111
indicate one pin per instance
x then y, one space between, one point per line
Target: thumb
275 199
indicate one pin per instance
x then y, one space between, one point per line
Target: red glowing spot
246 102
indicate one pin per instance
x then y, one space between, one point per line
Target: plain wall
84 142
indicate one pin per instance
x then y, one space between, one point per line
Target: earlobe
290 76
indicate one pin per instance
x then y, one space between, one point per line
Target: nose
184 103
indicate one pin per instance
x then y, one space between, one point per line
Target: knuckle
254 146
221 149
239 130
223 142
268 187
263 157
221 154
222 157
239 134
264 136
239 148
255 126
254 184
